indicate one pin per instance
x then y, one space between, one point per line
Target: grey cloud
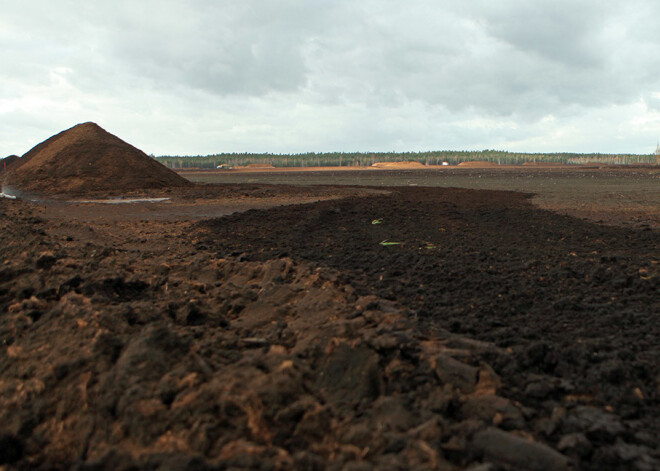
373 73
245 48
503 59
224 47
562 31
652 102
585 53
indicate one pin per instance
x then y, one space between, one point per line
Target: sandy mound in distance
86 158
542 164
478 163
404 164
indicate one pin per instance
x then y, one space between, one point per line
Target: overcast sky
209 76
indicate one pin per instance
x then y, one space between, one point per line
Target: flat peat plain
621 195
424 326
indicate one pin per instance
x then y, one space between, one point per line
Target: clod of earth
270 340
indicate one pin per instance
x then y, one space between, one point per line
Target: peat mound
543 164
86 159
478 164
399 165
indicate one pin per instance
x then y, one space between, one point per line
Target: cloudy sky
208 76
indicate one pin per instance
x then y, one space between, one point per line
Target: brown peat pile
86 159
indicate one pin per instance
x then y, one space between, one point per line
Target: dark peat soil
572 299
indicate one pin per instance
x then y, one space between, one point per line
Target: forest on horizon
361 159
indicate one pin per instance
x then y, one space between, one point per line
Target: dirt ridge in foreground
152 344
574 300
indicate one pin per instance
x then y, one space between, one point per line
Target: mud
493 335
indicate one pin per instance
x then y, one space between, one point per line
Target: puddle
124 200
7 192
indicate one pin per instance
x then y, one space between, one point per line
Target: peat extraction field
358 321
623 195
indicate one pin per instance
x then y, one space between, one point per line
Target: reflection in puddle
124 200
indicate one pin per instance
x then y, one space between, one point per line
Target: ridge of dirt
86 158
571 299
114 357
253 342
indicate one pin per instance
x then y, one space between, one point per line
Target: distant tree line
355 159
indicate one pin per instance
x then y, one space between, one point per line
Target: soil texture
616 195
477 164
389 328
573 300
